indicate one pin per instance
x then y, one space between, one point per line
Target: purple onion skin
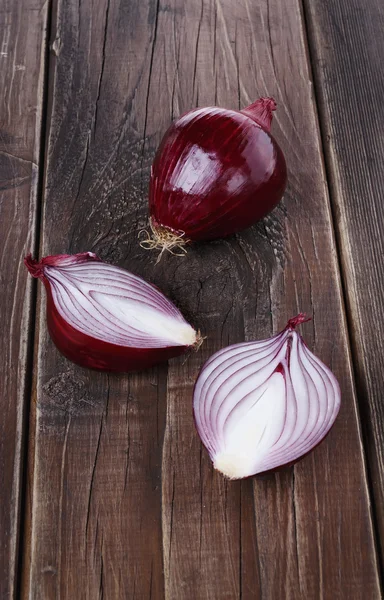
90 352
217 172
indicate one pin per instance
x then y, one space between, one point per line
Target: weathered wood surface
22 34
347 45
125 503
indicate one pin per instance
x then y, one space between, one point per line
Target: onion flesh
261 405
101 316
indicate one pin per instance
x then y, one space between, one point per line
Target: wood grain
22 37
348 47
125 502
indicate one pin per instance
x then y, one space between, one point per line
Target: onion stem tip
298 320
33 266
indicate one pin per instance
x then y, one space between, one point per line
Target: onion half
261 405
103 317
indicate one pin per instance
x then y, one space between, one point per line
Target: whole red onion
216 172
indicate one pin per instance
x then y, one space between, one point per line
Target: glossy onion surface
216 172
103 317
261 405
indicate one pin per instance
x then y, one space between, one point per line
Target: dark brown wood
347 45
125 501
22 36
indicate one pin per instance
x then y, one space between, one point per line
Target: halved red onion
262 405
103 317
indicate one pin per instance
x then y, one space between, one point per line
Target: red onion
103 317
216 172
262 405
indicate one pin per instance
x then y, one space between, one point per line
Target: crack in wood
103 55
148 89
90 490
197 46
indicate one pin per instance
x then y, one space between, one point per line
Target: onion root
164 239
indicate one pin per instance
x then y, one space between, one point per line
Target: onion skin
92 353
87 351
217 172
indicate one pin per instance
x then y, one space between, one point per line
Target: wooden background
105 490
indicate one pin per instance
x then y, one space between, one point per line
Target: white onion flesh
113 305
260 405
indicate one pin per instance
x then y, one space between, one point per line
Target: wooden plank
98 438
347 45
125 502
22 36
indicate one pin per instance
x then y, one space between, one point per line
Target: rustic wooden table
105 489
